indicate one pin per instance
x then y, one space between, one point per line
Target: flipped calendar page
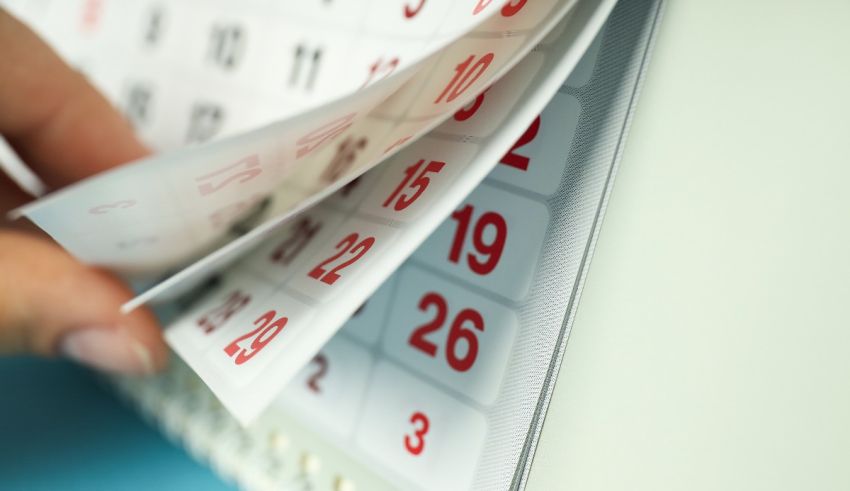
160 212
401 387
446 82
497 44
275 309
394 400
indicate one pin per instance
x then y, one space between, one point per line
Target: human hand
65 131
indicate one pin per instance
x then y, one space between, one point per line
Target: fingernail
109 349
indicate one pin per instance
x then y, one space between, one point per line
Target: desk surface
61 430
711 348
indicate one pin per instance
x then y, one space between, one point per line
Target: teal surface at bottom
61 429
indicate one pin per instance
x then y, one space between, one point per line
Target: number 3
416 444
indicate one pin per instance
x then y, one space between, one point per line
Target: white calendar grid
382 236
582 202
496 473
399 120
109 245
556 223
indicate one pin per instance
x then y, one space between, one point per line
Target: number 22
268 327
350 245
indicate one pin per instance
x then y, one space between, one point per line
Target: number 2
416 444
321 362
520 161
101 209
268 327
348 244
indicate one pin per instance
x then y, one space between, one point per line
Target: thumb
52 305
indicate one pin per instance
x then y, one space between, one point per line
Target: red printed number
136 242
510 9
323 134
466 74
346 155
513 7
348 245
268 327
301 234
482 4
397 143
516 160
229 213
415 443
401 201
460 362
118 205
487 253
242 171
321 362
92 10
381 67
216 317
470 109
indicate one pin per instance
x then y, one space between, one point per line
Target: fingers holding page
57 122
64 130
50 304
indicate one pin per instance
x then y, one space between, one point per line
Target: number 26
216 180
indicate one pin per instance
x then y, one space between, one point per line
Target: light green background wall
712 344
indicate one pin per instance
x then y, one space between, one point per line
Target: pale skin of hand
64 130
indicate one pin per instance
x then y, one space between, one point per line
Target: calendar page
442 378
274 310
161 212
382 213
